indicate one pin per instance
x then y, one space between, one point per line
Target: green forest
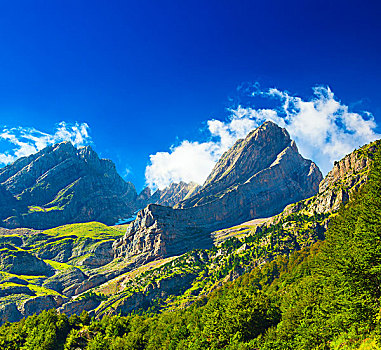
326 296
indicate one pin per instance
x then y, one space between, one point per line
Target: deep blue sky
143 74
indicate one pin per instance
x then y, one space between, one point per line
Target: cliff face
163 231
257 177
169 196
174 194
339 186
246 158
60 185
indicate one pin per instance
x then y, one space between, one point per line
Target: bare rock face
64 280
345 178
21 262
38 304
60 185
143 197
169 196
340 184
257 177
174 194
15 311
160 231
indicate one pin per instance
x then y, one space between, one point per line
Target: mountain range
262 201
62 184
256 178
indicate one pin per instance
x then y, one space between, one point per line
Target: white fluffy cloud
24 141
323 128
193 161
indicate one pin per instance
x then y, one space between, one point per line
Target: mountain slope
246 158
88 278
257 177
169 196
174 193
324 296
62 184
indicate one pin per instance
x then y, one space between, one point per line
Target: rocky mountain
73 267
338 187
183 280
169 196
62 184
257 177
174 193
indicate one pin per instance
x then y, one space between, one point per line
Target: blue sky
147 75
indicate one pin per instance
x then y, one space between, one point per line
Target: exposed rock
78 305
87 252
21 262
91 282
169 196
60 251
262 150
14 279
9 313
161 289
15 290
15 311
345 178
175 193
256 178
95 255
64 280
338 187
12 240
37 304
163 231
60 185
9 206
143 197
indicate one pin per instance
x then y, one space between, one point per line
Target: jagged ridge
257 177
60 185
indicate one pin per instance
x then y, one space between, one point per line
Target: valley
181 257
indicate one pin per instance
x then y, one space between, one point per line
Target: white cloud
24 141
189 161
323 128
193 161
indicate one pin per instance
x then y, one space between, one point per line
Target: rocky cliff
87 278
257 177
174 193
169 196
339 186
60 185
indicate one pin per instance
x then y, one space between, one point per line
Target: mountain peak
62 184
256 178
257 151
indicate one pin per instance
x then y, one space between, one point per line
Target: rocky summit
173 194
62 184
257 177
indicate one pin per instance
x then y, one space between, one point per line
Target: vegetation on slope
29 260
322 297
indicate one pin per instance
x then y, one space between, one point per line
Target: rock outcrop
20 262
124 286
174 193
169 196
60 185
15 311
339 186
257 177
65 280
